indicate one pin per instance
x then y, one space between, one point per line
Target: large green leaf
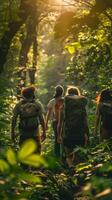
11 157
3 166
34 160
27 149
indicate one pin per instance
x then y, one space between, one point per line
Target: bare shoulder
51 103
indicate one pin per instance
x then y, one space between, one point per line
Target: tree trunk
32 70
24 11
31 38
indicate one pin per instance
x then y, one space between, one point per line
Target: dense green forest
45 43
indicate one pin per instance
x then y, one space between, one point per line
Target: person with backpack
30 113
104 114
73 127
53 110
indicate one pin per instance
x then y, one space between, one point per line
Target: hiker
73 127
30 113
53 110
104 114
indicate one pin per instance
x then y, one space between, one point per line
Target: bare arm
43 125
48 115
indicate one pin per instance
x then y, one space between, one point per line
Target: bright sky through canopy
65 2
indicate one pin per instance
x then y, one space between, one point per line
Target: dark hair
105 95
73 90
58 91
28 92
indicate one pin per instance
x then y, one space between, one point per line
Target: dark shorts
71 143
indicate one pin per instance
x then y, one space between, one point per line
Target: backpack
106 115
29 116
74 117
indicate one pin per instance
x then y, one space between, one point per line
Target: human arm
43 125
49 112
14 122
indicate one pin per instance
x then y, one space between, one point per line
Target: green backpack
29 116
74 116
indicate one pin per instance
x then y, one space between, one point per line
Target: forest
45 43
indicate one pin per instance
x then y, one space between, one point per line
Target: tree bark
30 39
32 70
24 11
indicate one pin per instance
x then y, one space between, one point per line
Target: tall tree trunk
32 70
25 10
31 38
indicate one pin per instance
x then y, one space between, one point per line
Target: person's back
53 111
104 114
56 104
75 114
73 128
30 113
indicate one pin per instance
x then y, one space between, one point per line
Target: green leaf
3 166
76 45
71 49
29 177
34 160
11 157
27 149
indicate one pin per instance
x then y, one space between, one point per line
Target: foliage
80 55
13 178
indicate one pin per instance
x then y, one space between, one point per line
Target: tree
89 15
26 8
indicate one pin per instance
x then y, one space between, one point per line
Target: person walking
73 128
104 115
30 114
53 110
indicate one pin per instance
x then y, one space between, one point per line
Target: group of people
69 119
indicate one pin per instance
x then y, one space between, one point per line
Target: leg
69 156
56 144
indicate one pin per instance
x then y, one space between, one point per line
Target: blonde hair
73 90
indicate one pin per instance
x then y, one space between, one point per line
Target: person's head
58 91
72 90
28 92
105 95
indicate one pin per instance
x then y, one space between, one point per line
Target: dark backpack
29 116
106 115
74 117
